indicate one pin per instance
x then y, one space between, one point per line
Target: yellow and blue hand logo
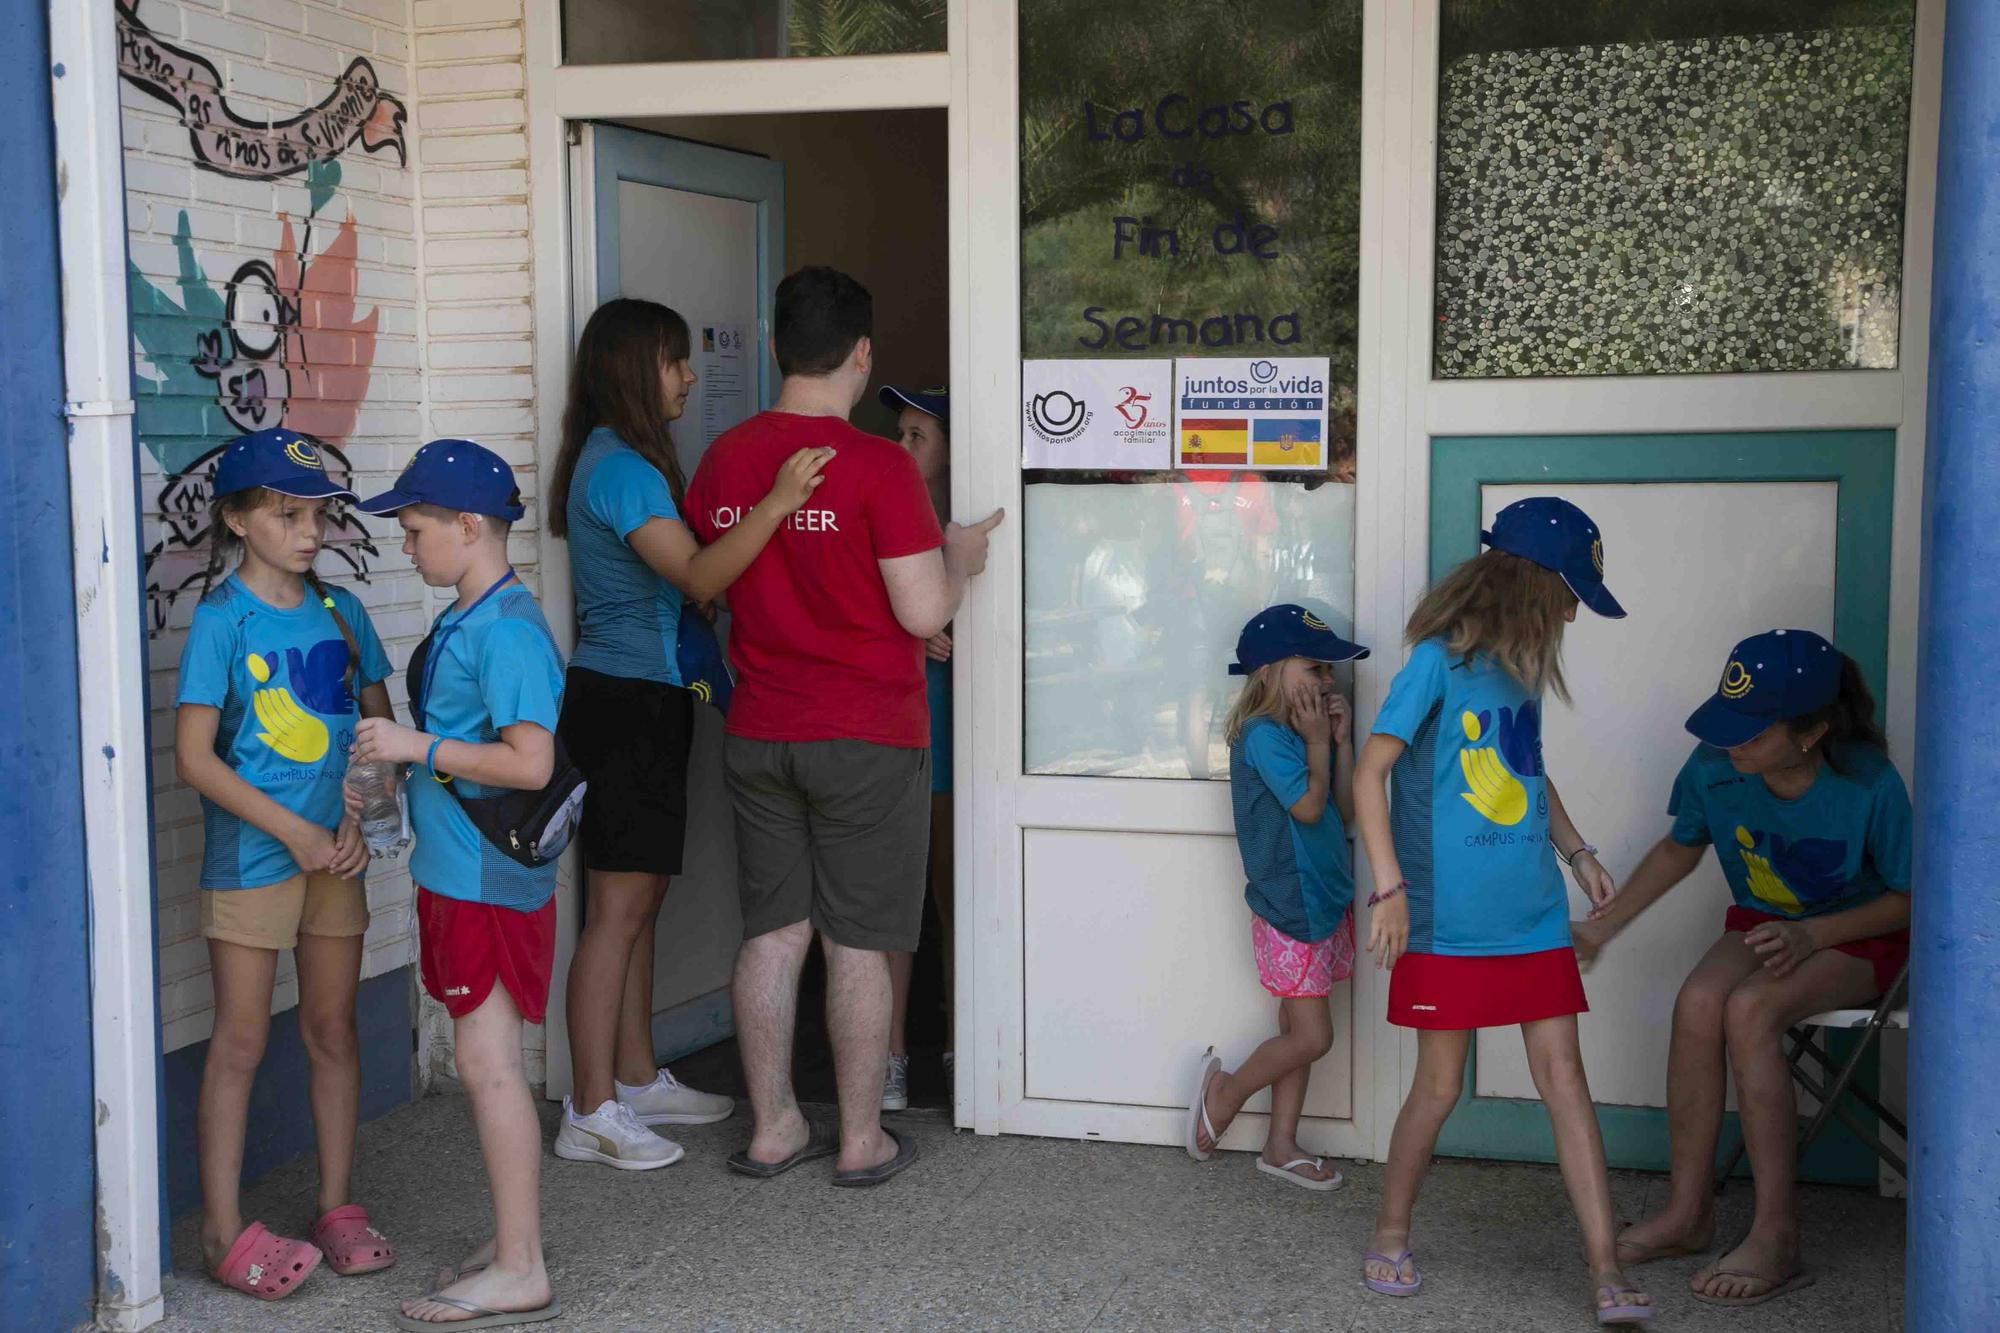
1311 621
1494 791
1765 883
1791 872
700 689
1735 680
290 730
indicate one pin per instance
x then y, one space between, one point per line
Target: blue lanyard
439 636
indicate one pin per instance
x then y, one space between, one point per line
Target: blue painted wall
1952 1272
280 1113
47 1237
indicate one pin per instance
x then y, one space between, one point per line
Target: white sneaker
896 1083
667 1101
613 1135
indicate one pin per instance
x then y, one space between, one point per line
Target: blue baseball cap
1770 677
1556 535
278 460
454 474
1286 630
937 402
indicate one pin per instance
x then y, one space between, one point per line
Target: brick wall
265 297
377 298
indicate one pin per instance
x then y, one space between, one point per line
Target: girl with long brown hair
1470 909
1791 784
627 718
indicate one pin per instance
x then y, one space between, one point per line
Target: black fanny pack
531 827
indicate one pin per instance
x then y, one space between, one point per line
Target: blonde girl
1291 782
1470 908
269 681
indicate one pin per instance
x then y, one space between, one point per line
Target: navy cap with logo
937 402
454 474
1770 677
1558 536
1288 630
278 460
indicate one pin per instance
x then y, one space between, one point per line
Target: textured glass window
1190 180
1670 186
611 32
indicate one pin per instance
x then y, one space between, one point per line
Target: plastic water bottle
383 824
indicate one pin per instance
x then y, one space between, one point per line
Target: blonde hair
1261 696
1506 607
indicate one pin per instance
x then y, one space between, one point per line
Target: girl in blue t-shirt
1474 918
628 707
1291 782
1810 822
269 681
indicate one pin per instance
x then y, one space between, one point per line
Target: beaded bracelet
1376 899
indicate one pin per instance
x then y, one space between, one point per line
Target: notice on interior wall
726 370
1109 415
1266 414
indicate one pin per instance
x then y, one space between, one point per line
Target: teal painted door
1709 531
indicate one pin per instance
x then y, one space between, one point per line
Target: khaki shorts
274 916
832 832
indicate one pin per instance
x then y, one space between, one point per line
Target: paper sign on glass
1264 413
1113 415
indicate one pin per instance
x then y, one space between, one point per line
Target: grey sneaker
896 1084
610 1135
667 1101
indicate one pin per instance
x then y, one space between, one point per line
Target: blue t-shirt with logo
628 617
1843 842
1297 874
1470 811
278 675
490 667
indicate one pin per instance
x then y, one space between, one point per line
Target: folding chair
1891 1012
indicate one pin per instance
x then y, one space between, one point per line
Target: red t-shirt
818 652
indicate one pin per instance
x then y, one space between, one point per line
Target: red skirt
1454 993
1885 953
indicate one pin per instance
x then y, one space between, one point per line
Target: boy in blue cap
487 694
1792 785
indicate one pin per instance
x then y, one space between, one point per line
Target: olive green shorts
832 832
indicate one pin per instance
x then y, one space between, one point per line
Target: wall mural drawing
281 341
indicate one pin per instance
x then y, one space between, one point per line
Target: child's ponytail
224 546
346 632
1849 720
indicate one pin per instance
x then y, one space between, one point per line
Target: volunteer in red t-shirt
828 757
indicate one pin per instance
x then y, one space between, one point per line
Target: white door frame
1400 409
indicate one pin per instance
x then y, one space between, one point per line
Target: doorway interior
707 214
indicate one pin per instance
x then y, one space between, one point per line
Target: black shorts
630 738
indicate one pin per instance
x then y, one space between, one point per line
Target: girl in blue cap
1792 785
1291 782
1470 908
270 676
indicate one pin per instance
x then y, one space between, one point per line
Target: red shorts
1885 953
463 948
1452 993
